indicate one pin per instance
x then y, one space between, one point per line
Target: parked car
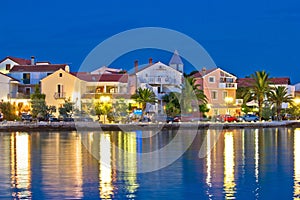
26 117
145 119
250 118
186 118
162 118
225 118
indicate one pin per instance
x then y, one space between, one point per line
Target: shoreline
94 126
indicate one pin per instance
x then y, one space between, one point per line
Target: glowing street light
104 99
228 100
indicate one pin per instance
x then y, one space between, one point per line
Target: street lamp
228 100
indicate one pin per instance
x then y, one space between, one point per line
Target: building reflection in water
62 165
20 165
105 173
5 164
117 162
297 164
229 182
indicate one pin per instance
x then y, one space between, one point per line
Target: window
60 91
7 66
27 91
158 89
225 94
211 79
159 79
60 75
26 78
214 95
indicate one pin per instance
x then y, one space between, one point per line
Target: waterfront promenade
82 126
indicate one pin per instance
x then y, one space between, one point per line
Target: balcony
59 95
228 85
154 80
18 95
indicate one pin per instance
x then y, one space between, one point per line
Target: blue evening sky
240 36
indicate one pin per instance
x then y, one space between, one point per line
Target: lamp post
228 100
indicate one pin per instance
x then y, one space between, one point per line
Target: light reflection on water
243 164
229 180
297 164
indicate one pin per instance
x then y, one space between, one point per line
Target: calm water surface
244 164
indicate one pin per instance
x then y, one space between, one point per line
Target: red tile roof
200 74
38 68
20 61
248 82
86 76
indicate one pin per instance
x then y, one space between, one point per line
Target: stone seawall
94 126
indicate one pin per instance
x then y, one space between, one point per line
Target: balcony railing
59 95
18 95
228 85
158 80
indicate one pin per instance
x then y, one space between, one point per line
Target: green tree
246 95
102 109
172 103
38 103
144 96
277 96
120 109
8 111
67 109
192 97
260 89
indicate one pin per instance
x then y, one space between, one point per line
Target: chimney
150 61
136 64
203 71
32 60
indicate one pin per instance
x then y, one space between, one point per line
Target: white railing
228 85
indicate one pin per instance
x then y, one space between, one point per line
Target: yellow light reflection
208 158
256 154
130 164
105 176
21 169
297 164
77 192
229 183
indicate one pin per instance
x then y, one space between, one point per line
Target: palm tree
246 95
172 103
278 96
144 96
192 95
260 88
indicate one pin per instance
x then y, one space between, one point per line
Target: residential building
30 75
274 82
9 62
159 77
59 86
83 88
219 87
9 87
